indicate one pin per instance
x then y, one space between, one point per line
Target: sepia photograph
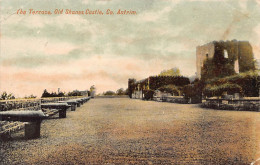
111 82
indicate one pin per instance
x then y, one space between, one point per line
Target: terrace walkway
122 130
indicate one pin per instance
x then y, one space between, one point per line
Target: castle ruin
224 58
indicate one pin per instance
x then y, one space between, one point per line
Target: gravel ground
126 131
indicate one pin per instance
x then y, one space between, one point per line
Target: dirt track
125 131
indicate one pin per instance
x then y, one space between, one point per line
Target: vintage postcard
130 82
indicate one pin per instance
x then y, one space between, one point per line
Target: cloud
15 47
81 74
153 16
30 60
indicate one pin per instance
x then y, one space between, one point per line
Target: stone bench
33 121
72 103
61 107
79 101
85 99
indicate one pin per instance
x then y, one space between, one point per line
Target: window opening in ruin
236 67
225 54
207 55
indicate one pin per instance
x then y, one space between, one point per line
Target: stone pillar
32 130
62 113
73 107
5 136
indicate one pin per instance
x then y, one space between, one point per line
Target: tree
5 96
61 94
46 93
127 91
171 72
53 94
75 93
120 91
109 93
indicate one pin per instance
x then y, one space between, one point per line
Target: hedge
249 81
170 89
156 82
214 90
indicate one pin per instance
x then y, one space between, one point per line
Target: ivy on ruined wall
212 69
221 66
172 89
214 90
156 82
249 81
246 60
194 90
131 83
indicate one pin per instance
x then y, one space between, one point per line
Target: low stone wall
245 104
116 96
29 104
171 99
20 104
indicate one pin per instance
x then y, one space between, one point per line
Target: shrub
214 90
249 81
109 93
170 89
155 82
193 91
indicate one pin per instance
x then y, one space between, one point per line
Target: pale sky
70 52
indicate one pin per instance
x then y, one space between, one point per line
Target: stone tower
226 58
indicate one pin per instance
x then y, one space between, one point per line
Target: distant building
92 91
136 88
224 58
84 93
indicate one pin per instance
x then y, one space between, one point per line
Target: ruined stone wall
202 52
245 56
227 58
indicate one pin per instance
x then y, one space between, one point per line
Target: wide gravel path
127 131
